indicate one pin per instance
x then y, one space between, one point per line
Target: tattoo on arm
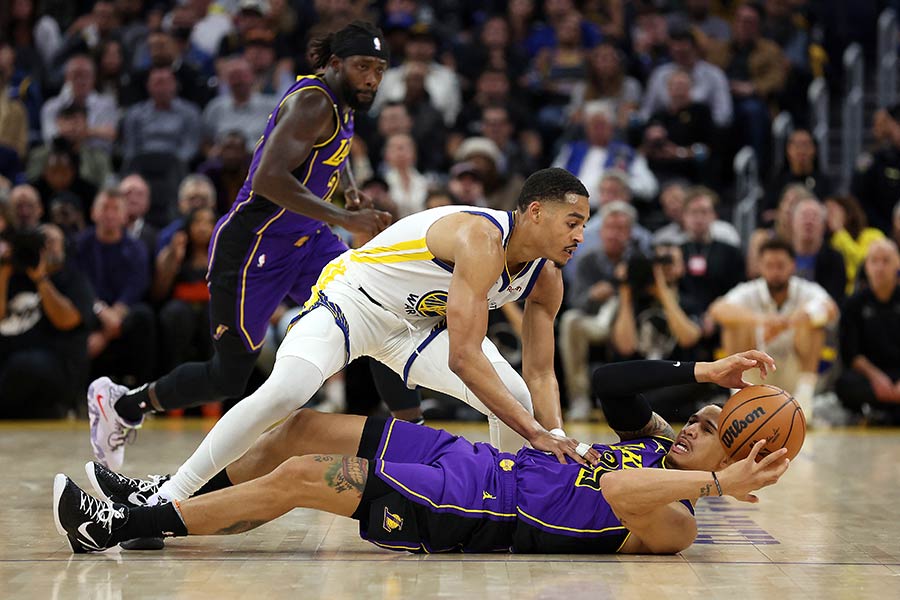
656 426
239 527
351 473
706 490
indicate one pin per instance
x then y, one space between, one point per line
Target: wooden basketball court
830 529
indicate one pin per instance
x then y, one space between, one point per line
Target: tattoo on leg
350 474
239 527
323 458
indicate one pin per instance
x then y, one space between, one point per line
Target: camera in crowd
25 248
640 270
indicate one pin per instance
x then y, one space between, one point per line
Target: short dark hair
777 244
550 184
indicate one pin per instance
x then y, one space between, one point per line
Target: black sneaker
113 487
87 522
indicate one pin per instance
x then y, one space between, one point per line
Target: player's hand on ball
744 477
729 371
561 447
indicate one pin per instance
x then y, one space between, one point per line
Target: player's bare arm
305 119
538 344
475 247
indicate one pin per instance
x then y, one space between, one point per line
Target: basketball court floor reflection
829 529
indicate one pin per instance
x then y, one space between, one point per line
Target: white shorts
345 325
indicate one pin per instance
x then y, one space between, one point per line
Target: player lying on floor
423 490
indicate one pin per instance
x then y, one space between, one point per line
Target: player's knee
516 386
293 475
230 374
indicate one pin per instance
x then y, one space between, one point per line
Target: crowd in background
127 128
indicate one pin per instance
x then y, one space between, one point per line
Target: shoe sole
59 486
95 483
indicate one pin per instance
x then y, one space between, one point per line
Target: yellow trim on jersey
259 236
329 273
393 258
429 500
336 111
560 527
392 547
622 545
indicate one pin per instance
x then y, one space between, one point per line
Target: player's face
563 227
361 78
776 267
697 447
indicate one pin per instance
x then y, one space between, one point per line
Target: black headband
358 43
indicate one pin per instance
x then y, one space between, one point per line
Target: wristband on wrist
558 432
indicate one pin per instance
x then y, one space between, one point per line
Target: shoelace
151 484
100 511
121 436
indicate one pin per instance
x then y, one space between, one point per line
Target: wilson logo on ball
738 425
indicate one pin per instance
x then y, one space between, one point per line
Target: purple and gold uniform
430 491
260 251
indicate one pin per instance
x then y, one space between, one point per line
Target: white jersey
398 272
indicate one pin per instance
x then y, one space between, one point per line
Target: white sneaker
109 431
579 409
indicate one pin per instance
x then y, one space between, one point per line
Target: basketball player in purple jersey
417 489
273 242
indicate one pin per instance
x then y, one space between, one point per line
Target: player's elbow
460 362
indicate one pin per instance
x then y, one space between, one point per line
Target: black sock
220 481
134 404
151 521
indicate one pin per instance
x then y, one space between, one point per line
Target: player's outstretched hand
746 476
729 371
367 221
561 447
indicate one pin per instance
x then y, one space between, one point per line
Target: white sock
804 390
291 385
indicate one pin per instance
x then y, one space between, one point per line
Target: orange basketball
761 412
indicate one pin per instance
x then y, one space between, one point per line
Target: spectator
439 197
94 164
606 80
491 49
654 321
466 184
697 16
102 111
500 187
441 82
519 158
26 207
36 37
67 213
781 314
250 15
164 52
195 191
240 108
678 139
427 122
781 228
649 42
588 159
113 75
164 124
815 260
212 25
408 187
179 285
801 166
850 234
586 323
23 87
61 174
672 200
123 340
876 181
613 187
756 70
547 35
13 117
710 86
85 35
271 78
137 202
45 303
713 267
227 168
870 328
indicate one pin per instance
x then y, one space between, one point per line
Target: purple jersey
320 172
561 508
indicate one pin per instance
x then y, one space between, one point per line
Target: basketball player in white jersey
416 297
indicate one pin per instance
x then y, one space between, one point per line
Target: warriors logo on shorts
433 304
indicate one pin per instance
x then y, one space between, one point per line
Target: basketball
761 412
